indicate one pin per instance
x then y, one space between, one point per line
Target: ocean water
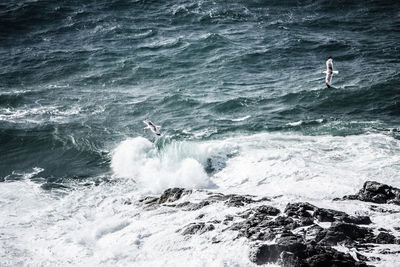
239 92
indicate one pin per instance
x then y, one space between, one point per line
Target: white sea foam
306 166
37 114
175 165
242 118
92 226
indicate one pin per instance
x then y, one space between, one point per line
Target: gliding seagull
329 72
151 126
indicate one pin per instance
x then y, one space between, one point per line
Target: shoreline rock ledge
302 235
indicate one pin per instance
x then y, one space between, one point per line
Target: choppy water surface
237 88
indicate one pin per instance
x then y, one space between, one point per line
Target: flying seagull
154 128
329 72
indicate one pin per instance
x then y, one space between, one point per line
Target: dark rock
172 194
127 202
292 251
215 240
377 193
271 253
347 232
238 201
264 254
197 206
313 231
282 222
228 218
148 200
385 238
266 210
180 205
197 228
201 216
289 259
388 251
261 234
292 243
361 257
257 226
382 209
306 221
328 215
357 219
299 209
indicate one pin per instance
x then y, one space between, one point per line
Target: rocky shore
302 234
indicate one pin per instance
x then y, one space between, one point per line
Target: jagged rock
172 194
385 238
148 200
201 216
357 219
328 215
347 232
270 253
382 209
299 209
298 240
388 251
292 251
197 228
266 210
312 232
304 211
238 201
257 219
289 259
378 193
282 222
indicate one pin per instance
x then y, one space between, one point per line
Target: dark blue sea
239 92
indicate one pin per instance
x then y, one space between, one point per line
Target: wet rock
312 232
238 201
265 210
328 215
298 239
388 251
385 238
148 200
378 193
357 219
264 254
344 232
172 194
197 228
383 209
289 259
256 225
270 253
292 251
282 222
299 209
201 216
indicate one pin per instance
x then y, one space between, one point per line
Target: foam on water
176 165
95 226
291 164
